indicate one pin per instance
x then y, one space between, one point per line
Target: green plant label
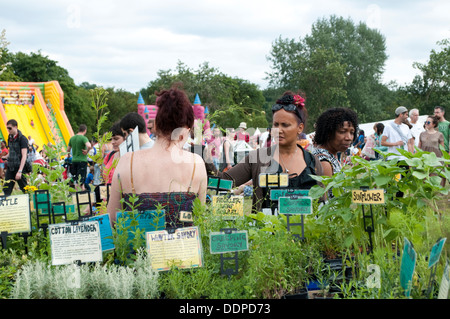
436 252
148 220
224 183
275 194
371 196
407 266
105 231
221 243
294 205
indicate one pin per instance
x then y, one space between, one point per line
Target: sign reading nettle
221 243
181 248
368 196
15 214
77 241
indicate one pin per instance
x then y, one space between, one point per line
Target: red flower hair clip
298 100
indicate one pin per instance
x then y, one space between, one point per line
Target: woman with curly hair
286 156
335 132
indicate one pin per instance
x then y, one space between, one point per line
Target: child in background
89 179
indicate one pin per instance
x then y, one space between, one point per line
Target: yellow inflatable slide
38 108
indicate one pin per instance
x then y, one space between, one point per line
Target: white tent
368 127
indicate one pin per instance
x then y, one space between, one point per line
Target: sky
123 44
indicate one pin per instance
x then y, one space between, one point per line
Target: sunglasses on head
289 108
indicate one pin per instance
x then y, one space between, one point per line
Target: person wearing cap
241 134
397 134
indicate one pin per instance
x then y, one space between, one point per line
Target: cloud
125 43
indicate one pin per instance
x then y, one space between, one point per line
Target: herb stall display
332 260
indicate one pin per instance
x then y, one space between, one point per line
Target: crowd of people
172 165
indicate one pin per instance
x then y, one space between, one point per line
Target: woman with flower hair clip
286 156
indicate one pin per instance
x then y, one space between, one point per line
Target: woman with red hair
165 174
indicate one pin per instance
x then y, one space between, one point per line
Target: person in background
417 127
80 147
335 132
106 148
372 141
17 157
431 139
397 134
303 141
4 153
443 126
227 160
89 179
165 174
378 132
151 128
360 141
110 161
129 122
241 134
215 146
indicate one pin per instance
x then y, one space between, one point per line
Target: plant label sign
407 267
223 184
105 231
443 289
149 220
131 143
436 252
221 243
79 241
272 180
370 196
15 214
181 248
275 194
293 205
230 207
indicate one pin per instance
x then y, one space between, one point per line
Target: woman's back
157 170
165 173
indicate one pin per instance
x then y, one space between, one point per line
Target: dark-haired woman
430 139
110 160
165 174
286 156
335 132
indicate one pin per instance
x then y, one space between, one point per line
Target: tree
338 64
35 67
432 87
6 74
229 100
